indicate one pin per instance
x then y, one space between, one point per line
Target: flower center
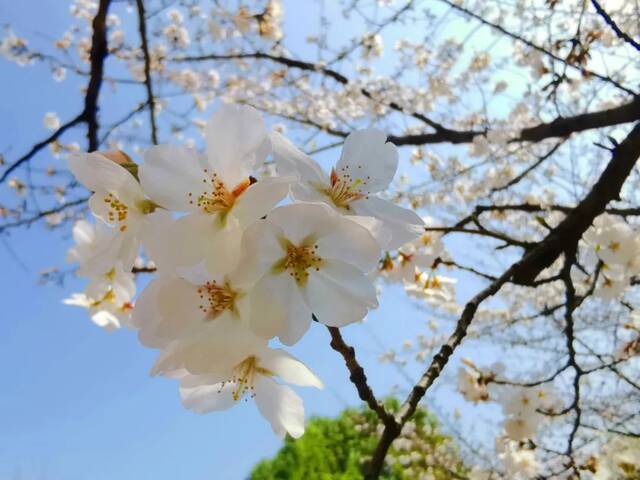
216 299
117 212
108 297
298 260
218 198
405 258
344 188
244 376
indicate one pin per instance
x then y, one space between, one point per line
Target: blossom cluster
240 258
615 246
525 409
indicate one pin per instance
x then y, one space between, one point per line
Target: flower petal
368 156
155 243
281 406
199 238
401 224
98 173
340 294
289 160
237 142
207 398
260 198
277 308
350 243
261 242
301 220
289 368
170 172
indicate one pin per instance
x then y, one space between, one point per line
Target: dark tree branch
559 128
570 230
142 28
562 239
40 145
34 218
614 26
528 170
328 72
357 376
391 431
99 52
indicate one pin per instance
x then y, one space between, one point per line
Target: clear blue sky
77 403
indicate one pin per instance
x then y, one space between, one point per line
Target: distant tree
339 448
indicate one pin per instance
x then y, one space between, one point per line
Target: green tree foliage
338 449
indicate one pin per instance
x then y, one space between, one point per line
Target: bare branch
614 26
357 376
142 28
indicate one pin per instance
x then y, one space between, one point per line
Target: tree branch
562 239
357 376
99 52
538 48
614 26
570 230
40 145
142 28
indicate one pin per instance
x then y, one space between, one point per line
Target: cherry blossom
366 166
308 260
253 377
117 199
109 298
217 190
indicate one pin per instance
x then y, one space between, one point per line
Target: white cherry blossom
253 377
109 298
366 166
307 259
117 199
97 248
217 190
175 308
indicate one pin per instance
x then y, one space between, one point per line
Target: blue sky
78 403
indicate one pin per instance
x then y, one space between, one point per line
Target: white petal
339 294
237 142
199 238
83 232
289 368
401 224
155 241
99 173
208 398
368 156
289 160
106 320
124 285
78 300
263 249
179 307
350 243
216 353
281 406
260 198
375 227
145 315
169 173
277 308
301 220
223 250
